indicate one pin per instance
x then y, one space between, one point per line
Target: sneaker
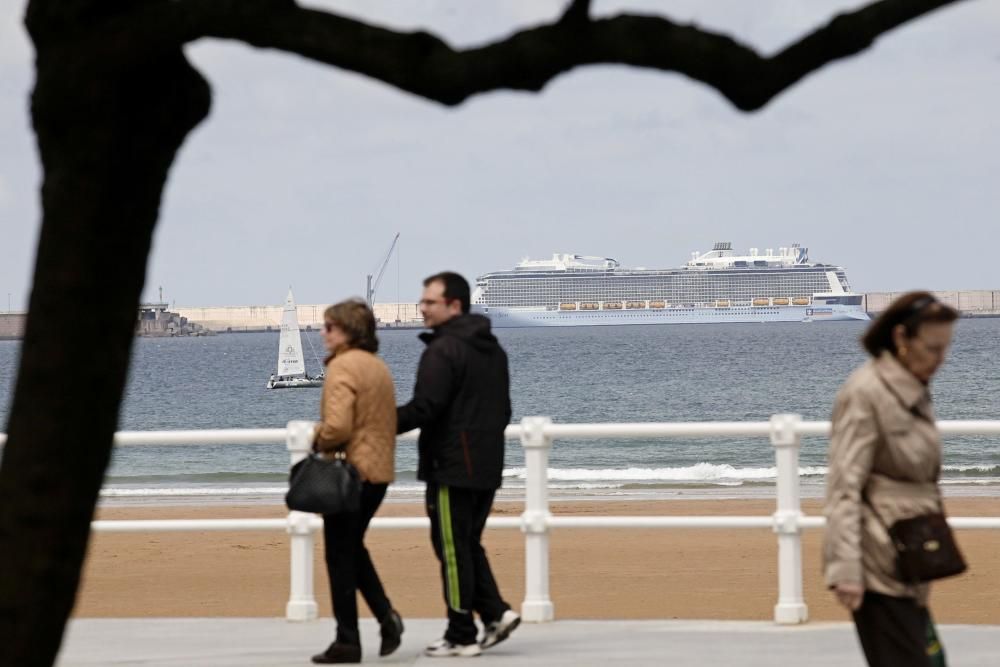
443 648
392 633
497 631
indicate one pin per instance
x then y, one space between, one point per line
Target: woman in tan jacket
358 415
884 463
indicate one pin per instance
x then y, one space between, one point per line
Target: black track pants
458 516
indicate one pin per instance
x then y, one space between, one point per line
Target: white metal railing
536 434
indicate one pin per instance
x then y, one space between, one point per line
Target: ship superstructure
714 286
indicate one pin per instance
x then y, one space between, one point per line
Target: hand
849 594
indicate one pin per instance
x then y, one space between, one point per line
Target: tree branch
578 10
425 65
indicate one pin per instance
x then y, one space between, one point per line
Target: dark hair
356 320
456 288
910 310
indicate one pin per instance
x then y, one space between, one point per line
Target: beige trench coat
885 456
359 408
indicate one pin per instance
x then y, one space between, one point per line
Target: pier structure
155 320
238 319
970 303
12 325
249 319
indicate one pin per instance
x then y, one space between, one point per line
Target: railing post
537 607
301 602
785 438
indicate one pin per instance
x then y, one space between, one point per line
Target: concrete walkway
256 642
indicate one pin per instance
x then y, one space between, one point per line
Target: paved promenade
213 642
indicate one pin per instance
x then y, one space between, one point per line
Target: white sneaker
442 648
497 631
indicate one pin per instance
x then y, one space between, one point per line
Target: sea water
707 372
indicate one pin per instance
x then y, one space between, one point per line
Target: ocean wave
118 492
989 481
972 469
701 475
700 472
221 477
138 492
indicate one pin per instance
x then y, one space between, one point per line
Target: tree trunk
109 124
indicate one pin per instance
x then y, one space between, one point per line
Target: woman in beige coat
358 415
884 463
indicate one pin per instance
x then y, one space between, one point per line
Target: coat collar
337 351
908 389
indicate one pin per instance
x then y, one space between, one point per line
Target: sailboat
291 364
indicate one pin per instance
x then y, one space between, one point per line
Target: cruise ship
714 286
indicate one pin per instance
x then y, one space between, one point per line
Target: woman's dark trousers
349 566
893 631
458 517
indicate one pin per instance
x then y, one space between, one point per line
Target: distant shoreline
971 304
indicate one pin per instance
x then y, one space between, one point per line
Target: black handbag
926 548
324 486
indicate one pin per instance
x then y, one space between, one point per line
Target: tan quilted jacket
359 409
884 447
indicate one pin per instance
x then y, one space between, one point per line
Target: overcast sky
886 163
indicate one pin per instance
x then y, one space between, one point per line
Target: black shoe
392 633
338 653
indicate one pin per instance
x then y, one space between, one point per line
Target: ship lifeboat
635 305
779 301
613 305
567 306
657 304
800 301
589 306
761 302
722 304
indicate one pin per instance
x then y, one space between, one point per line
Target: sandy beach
595 573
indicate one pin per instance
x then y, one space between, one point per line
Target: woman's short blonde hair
355 319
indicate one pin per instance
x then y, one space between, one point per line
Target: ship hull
501 317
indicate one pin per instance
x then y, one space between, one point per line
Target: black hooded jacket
461 404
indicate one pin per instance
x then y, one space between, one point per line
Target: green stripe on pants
448 548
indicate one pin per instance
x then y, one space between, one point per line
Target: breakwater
244 319
12 325
156 321
236 319
971 303
185 320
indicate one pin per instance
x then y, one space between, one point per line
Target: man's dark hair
910 310
456 288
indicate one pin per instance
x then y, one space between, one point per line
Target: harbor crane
373 284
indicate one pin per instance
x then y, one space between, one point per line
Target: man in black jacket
461 404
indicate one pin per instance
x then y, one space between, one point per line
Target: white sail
291 362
